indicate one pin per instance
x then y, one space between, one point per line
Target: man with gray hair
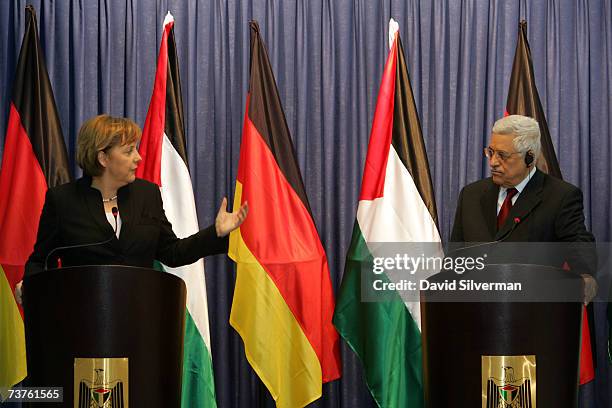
519 202
514 135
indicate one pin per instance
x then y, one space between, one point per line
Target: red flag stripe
373 183
151 142
587 369
22 188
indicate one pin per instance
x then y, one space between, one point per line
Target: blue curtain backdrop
328 57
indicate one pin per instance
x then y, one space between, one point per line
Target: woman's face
120 163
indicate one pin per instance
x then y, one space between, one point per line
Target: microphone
115 212
515 223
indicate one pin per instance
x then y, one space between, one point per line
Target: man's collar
521 186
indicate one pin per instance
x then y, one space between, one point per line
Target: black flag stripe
523 98
174 121
266 113
407 135
33 99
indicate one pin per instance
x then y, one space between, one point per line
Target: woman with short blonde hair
93 209
102 133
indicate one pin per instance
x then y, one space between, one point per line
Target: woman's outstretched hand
227 222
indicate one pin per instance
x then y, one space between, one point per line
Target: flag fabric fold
524 99
34 160
283 300
396 204
164 162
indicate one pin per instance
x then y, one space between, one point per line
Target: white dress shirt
519 187
111 221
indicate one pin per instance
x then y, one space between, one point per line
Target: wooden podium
106 332
476 353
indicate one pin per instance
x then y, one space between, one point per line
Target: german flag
34 159
283 300
523 99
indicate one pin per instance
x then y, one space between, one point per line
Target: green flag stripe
382 334
198 379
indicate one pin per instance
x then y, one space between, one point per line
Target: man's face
507 165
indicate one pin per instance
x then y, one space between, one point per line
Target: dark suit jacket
549 210
74 214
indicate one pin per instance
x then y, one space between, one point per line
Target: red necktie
505 208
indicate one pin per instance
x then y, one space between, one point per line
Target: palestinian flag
34 160
396 204
283 300
164 162
523 99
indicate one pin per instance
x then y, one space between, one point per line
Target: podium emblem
100 383
508 381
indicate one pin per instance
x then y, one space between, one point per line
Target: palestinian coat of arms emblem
101 382
100 393
509 391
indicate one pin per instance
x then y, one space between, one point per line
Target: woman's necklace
108 200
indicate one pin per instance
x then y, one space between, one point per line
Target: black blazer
549 209
73 214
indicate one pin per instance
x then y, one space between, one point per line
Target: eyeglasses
503 156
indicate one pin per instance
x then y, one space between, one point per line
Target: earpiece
528 158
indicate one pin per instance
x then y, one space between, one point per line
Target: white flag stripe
401 207
179 205
399 216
